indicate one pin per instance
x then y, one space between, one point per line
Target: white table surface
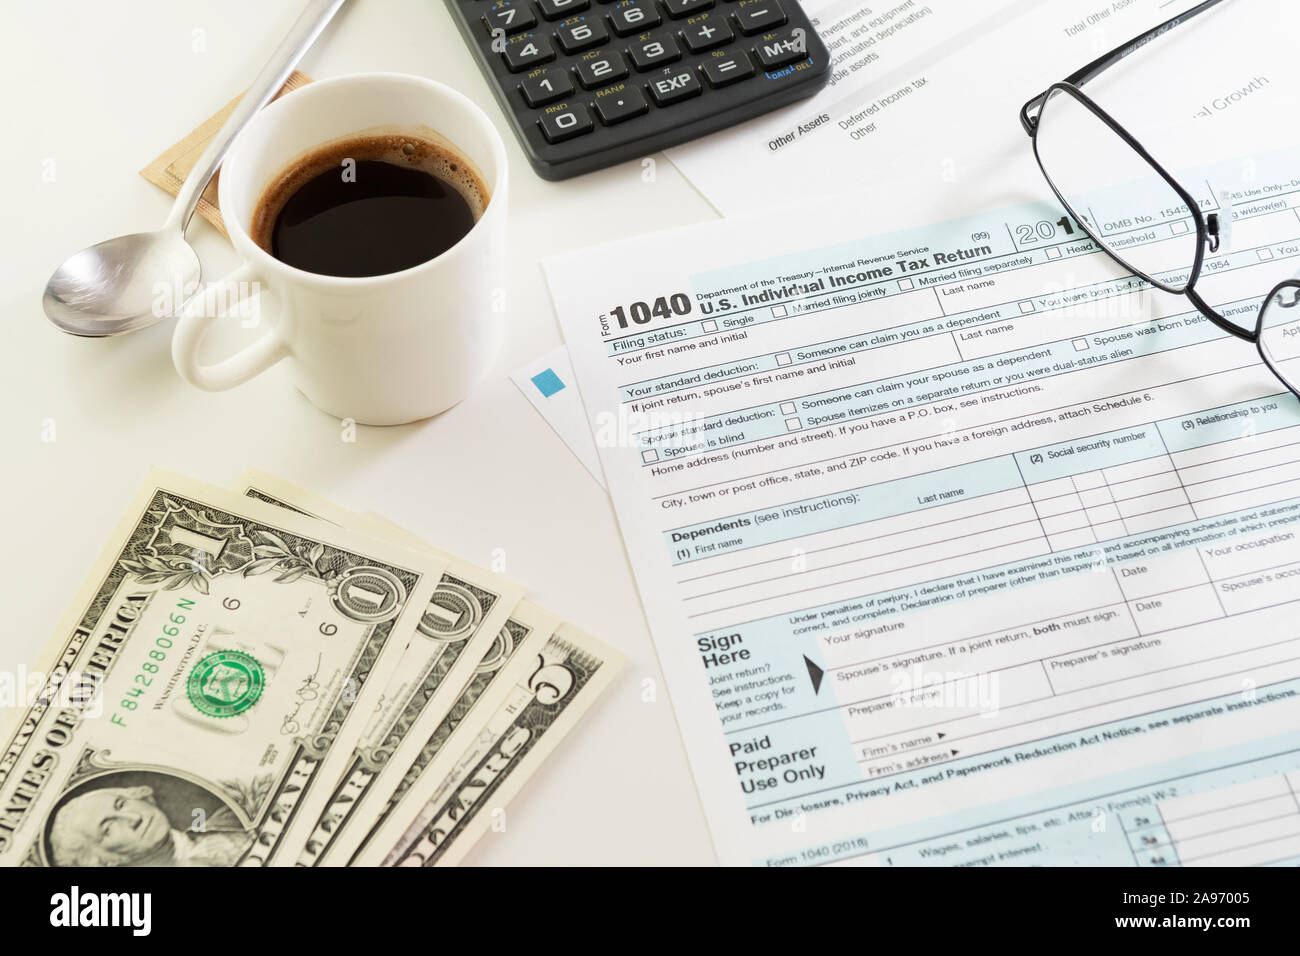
93 92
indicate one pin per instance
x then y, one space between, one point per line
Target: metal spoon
111 287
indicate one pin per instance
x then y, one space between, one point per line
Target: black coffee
369 206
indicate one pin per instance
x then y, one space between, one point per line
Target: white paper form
930 87
546 382
958 545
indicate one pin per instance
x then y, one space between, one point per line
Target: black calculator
590 83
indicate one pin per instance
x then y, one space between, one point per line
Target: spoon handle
301 36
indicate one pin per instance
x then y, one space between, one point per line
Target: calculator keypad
673 86
779 49
581 33
555 9
510 16
680 8
634 16
723 71
526 50
647 54
565 122
615 104
706 32
755 16
545 86
591 82
597 70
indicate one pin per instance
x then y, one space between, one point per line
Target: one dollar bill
207 686
365 811
461 632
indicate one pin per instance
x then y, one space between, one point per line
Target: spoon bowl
135 281
123 284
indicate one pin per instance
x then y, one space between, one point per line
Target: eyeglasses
1079 145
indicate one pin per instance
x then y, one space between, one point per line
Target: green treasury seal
225 683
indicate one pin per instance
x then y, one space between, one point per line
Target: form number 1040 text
642 313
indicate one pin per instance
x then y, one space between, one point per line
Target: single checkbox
1053 253
782 358
708 325
793 424
778 311
649 455
1265 255
787 408
1026 307
1080 345
906 284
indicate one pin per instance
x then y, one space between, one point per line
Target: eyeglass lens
1084 158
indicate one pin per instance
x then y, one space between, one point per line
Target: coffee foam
420 147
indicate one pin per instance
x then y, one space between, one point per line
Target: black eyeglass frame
1208 228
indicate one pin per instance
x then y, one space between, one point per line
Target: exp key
673 86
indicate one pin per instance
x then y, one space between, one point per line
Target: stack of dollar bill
259 677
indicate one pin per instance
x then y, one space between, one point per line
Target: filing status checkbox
1053 253
778 311
1179 227
708 325
906 284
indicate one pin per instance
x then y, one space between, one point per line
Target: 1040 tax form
958 544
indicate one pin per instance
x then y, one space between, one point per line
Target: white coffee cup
379 350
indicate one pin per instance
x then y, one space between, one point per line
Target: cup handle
216 300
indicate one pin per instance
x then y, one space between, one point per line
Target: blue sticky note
547 382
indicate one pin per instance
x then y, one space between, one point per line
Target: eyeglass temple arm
1029 112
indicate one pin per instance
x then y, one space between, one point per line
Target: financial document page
933 85
959 545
